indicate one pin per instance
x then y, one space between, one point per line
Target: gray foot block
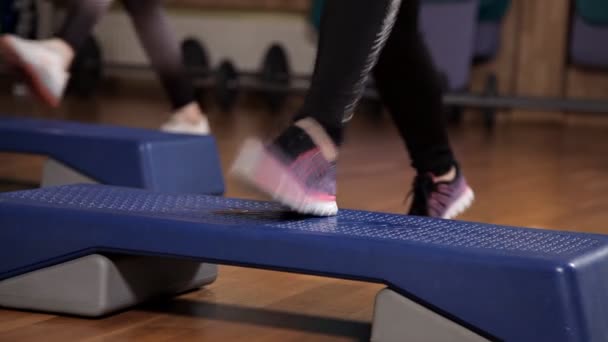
55 173
97 285
398 319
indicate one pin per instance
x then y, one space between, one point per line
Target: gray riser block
399 319
55 173
98 285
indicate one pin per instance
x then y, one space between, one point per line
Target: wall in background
533 60
243 37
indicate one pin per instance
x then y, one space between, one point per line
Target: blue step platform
512 284
121 156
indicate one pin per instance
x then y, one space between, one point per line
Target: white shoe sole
460 205
202 128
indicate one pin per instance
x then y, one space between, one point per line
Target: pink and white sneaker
44 68
305 183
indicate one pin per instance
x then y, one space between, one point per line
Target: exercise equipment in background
112 155
226 85
589 34
272 83
276 73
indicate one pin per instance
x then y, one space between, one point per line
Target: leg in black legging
160 43
411 89
154 31
299 168
352 35
82 16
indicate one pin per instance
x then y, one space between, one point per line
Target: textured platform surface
119 155
508 283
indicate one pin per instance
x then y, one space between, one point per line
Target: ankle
62 48
319 137
446 177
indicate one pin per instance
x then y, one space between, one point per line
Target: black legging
357 36
154 32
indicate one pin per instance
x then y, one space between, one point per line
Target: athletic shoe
441 199
180 126
305 183
43 68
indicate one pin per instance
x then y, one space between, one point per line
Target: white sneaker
180 126
44 68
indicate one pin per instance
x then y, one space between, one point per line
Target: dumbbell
272 82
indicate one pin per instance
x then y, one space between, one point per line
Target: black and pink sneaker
436 198
300 174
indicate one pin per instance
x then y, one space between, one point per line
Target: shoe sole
36 84
460 205
283 188
191 129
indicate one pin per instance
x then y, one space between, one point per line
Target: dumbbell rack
274 82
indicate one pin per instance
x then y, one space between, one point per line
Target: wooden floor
537 175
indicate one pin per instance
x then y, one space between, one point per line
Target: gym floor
545 175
